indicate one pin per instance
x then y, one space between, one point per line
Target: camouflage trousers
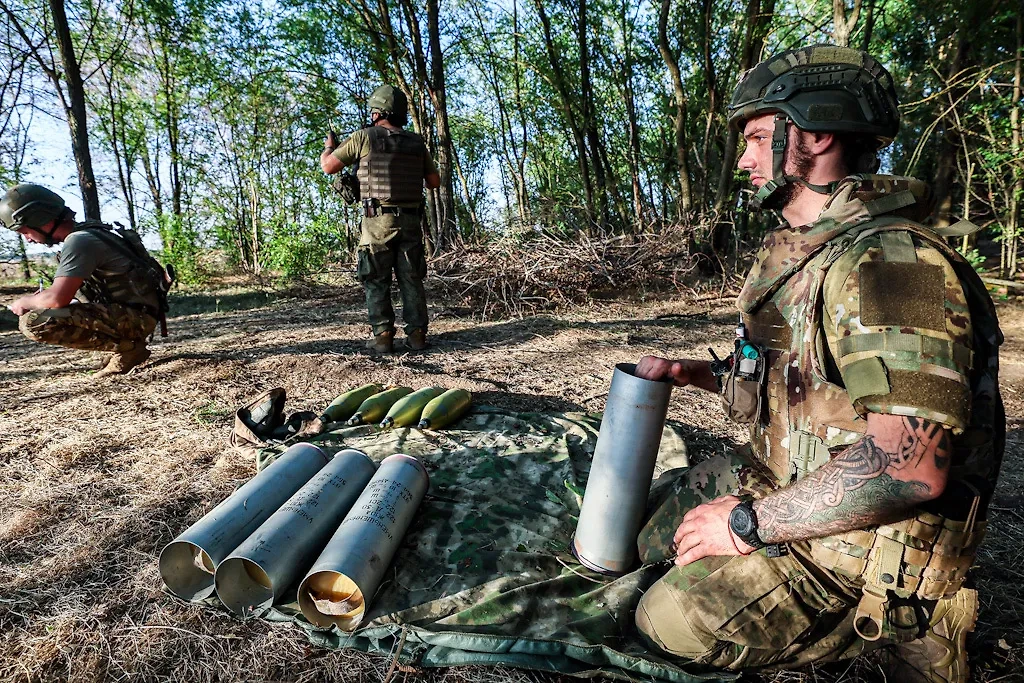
403 254
89 327
741 612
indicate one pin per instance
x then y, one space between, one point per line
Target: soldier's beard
800 162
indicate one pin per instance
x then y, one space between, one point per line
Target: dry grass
98 476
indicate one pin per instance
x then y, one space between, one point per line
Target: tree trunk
758 22
594 144
561 86
1017 190
447 227
75 111
869 26
679 118
949 142
842 26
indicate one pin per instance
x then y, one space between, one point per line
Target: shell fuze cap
389 100
822 89
30 206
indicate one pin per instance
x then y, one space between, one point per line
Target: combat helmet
821 88
389 101
30 206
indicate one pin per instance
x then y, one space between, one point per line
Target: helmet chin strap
770 194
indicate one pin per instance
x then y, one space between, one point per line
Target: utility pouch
371 207
743 386
347 185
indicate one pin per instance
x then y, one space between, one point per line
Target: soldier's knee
663 618
33 325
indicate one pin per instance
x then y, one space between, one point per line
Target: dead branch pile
513 276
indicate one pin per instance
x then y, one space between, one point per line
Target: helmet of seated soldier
824 89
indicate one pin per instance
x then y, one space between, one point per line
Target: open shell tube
621 472
258 572
188 563
349 570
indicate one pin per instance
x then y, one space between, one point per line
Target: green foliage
973 257
182 249
215 109
299 251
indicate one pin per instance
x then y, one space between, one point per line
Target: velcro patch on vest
865 377
902 295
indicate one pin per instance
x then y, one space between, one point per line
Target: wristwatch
743 522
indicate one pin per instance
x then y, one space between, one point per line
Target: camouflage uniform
116 310
863 311
392 166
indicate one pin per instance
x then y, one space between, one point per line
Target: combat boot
416 340
132 354
382 343
940 656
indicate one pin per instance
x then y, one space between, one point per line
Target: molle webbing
392 173
896 342
132 288
927 556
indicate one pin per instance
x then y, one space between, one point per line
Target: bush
300 251
182 249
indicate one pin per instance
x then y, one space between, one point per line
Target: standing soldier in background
393 166
866 365
108 293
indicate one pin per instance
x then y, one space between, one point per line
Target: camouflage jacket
867 310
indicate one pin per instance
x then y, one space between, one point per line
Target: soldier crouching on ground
866 366
107 294
393 166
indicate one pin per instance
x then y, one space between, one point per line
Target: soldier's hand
681 372
705 532
18 308
331 141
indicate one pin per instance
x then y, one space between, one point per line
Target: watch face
741 521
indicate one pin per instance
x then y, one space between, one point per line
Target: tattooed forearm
857 489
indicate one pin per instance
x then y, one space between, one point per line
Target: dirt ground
97 476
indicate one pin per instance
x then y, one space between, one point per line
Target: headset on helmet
821 88
31 206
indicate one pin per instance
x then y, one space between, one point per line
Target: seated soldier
866 368
106 294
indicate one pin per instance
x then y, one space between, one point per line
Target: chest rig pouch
742 378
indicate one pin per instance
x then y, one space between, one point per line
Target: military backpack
147 274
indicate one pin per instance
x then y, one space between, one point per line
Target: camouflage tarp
484 575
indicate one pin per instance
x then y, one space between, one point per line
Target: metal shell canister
188 563
348 572
621 472
258 572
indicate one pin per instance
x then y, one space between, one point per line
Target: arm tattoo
855 489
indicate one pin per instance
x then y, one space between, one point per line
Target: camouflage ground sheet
484 575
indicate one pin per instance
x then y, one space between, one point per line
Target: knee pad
663 618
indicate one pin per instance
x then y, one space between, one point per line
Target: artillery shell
343 407
407 410
377 406
446 409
